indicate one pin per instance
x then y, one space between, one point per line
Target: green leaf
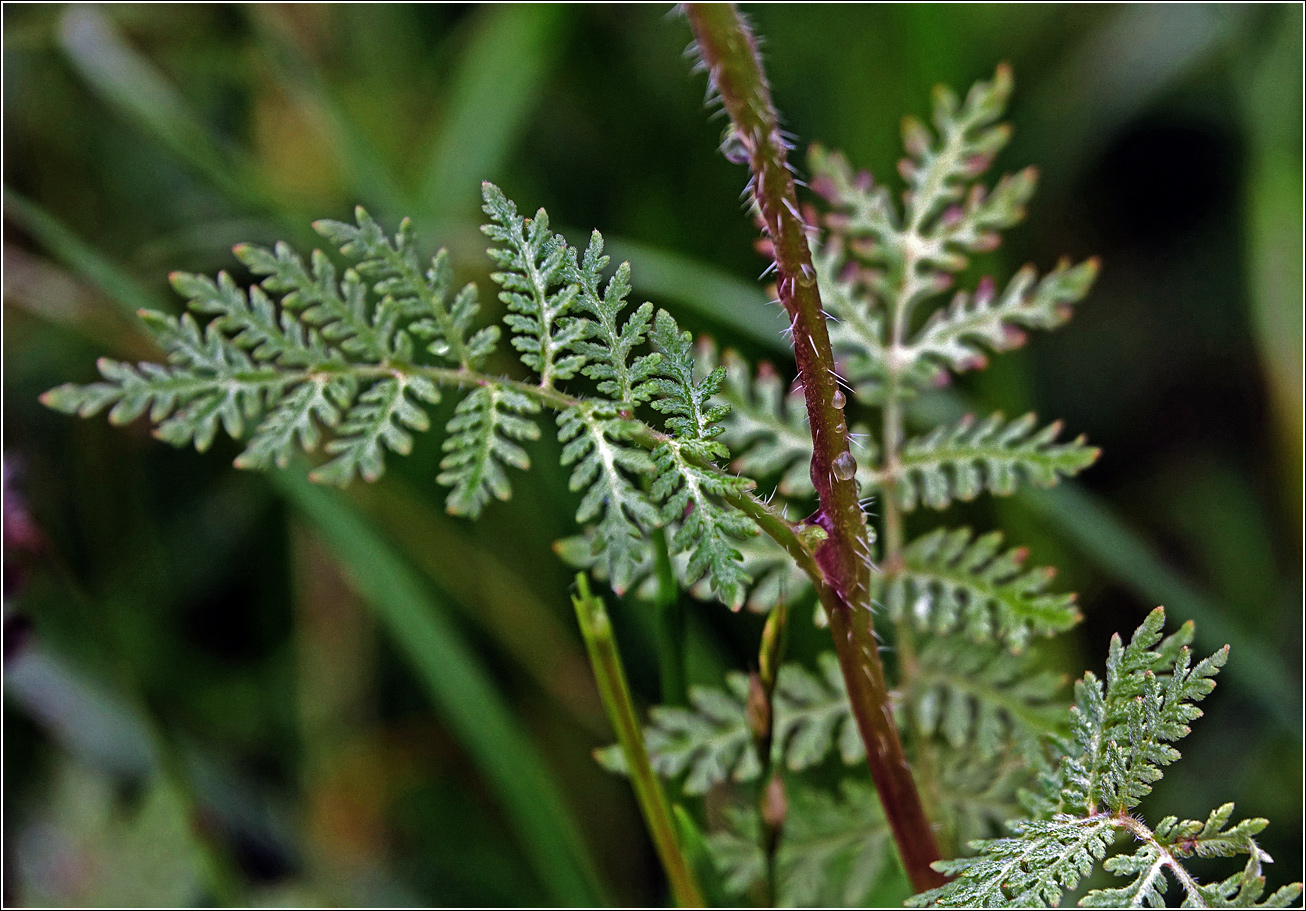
951 580
831 853
308 353
772 576
380 420
766 426
483 439
958 462
604 341
462 690
537 287
1121 737
708 742
880 262
955 337
813 716
408 292
596 442
711 740
293 424
983 699
1123 733
1047 858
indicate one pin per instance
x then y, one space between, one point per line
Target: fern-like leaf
604 340
596 442
1121 738
407 291
537 288
961 461
1157 860
951 580
983 699
813 715
831 854
1124 733
1047 858
484 436
880 262
688 484
772 574
293 424
334 307
955 336
711 740
380 420
766 427
307 353
708 742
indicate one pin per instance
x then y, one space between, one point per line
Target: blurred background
224 688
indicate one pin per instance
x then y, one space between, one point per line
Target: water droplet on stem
734 148
845 466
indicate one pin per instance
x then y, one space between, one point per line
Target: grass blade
611 676
459 687
489 102
81 258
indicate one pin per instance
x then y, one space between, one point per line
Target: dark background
200 708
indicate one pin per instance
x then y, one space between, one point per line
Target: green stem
772 804
768 519
670 624
606 661
729 51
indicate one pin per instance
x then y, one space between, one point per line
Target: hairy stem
611 677
730 53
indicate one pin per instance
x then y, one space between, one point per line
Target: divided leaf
537 287
1153 866
711 740
483 438
955 337
407 291
603 339
766 427
813 715
832 851
1047 858
1122 734
880 262
310 353
1121 737
596 441
983 699
951 580
772 575
960 461
380 420
688 484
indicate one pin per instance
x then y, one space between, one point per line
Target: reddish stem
729 51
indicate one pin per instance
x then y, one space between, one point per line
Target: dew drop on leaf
838 401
